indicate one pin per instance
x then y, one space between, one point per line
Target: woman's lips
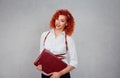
57 25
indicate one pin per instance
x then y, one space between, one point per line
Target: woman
58 40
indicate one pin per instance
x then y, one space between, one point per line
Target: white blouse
57 46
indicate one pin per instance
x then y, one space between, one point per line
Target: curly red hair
70 20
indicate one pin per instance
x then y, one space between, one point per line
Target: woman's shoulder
70 38
44 33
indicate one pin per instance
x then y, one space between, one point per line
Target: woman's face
60 22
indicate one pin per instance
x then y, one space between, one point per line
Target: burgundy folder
50 63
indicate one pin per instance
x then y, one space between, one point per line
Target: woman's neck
57 32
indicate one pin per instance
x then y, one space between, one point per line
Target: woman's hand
39 67
55 75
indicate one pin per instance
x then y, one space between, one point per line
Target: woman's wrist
61 73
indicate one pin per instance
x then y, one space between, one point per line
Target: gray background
97 36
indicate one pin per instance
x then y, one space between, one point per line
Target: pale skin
60 24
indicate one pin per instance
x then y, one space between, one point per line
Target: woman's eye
62 20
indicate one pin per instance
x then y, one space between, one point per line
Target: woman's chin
58 28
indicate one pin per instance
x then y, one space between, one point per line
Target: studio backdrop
96 35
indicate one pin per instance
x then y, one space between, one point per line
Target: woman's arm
73 60
66 70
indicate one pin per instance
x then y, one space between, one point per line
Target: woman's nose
57 21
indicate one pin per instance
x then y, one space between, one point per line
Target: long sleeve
42 41
72 52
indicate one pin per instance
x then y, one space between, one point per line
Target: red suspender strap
66 42
45 38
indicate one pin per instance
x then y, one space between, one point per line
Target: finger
37 68
50 74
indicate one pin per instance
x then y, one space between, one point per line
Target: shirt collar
53 32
